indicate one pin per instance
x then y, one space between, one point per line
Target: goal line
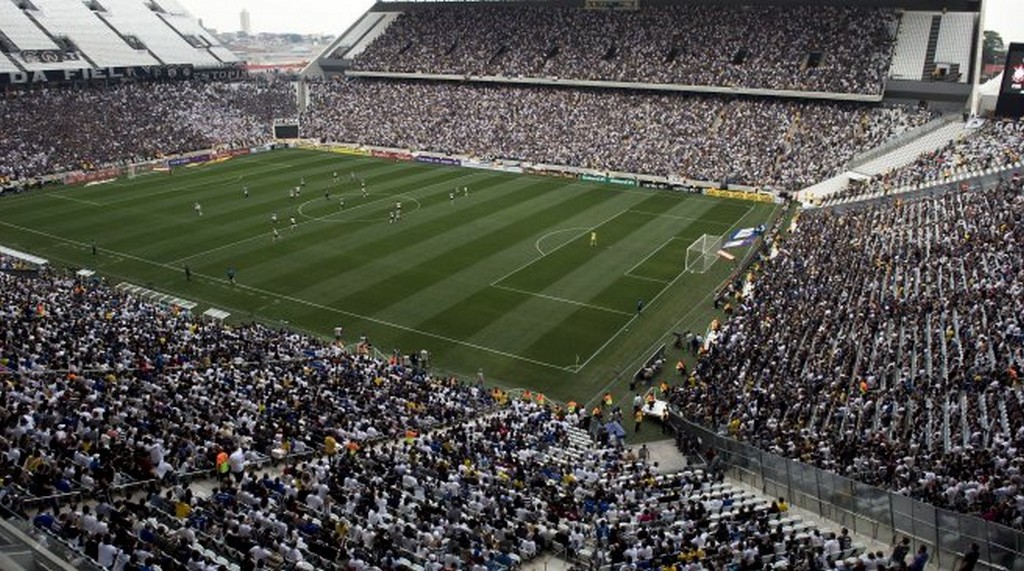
702 253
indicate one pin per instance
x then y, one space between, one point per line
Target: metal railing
869 511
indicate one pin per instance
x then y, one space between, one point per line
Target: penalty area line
225 283
674 326
561 300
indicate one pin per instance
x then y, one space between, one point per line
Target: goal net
702 253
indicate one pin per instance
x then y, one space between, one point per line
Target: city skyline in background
332 17
324 17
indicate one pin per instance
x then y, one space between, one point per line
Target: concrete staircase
908 153
895 157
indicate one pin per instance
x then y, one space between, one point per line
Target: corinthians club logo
1018 74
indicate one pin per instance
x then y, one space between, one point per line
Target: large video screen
286 131
1011 93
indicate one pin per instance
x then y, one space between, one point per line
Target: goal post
702 253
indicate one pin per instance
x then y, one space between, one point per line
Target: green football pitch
501 280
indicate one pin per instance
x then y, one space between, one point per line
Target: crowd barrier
879 514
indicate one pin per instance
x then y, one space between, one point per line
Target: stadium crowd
760 142
998 144
101 375
807 48
114 409
885 343
54 130
102 389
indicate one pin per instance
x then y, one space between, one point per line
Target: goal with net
702 253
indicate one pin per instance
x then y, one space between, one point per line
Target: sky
296 16
335 16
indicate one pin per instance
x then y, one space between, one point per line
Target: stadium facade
52 41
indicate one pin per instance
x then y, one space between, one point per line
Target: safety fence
867 510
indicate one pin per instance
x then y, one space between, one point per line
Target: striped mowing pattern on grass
504 278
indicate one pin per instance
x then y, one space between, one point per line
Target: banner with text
192 159
140 72
391 155
92 176
437 160
740 195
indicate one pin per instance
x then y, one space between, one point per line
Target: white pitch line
687 314
655 280
651 303
308 219
329 217
324 218
192 187
561 299
398 326
648 257
224 283
264 235
72 199
531 262
554 232
677 217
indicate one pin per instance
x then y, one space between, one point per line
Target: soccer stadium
607 285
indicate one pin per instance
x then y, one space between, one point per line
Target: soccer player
198 208
276 235
273 218
231 275
298 191
291 193
341 203
451 197
302 181
593 238
292 222
465 191
639 307
364 189
245 192
335 175
391 217
327 194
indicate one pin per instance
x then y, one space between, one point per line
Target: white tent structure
989 95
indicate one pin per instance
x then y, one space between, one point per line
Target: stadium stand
383 464
135 19
178 18
133 122
911 45
884 343
953 47
362 34
101 45
33 47
996 146
543 125
6 65
819 48
24 32
61 35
